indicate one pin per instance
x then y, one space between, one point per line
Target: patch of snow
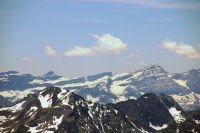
16 74
122 98
34 129
141 130
57 80
176 114
188 99
137 74
17 95
56 122
158 127
4 79
37 81
14 108
2 118
90 114
116 88
132 97
197 121
34 108
64 97
86 83
142 93
181 82
170 75
115 111
116 76
92 99
45 101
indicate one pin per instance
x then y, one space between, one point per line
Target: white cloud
181 49
104 44
134 56
80 51
50 51
109 44
27 59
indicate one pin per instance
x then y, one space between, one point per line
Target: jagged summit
50 74
151 67
57 110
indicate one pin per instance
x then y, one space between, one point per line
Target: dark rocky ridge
77 115
57 110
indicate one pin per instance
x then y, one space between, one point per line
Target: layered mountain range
56 110
108 87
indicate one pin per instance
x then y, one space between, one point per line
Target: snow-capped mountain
110 88
56 110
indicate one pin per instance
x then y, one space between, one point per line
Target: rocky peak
152 69
57 110
50 74
151 111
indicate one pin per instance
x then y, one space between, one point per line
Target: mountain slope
151 111
110 88
58 110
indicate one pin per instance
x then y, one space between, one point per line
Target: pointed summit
152 69
57 110
51 75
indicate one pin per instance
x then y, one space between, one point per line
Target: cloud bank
181 49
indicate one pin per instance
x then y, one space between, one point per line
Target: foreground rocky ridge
110 88
57 110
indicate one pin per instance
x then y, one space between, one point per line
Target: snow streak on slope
45 101
117 88
185 101
176 114
158 127
182 83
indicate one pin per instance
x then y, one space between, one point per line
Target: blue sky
84 37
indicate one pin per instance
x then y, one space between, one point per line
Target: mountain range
57 110
108 87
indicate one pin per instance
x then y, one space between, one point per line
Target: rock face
151 111
57 110
110 88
